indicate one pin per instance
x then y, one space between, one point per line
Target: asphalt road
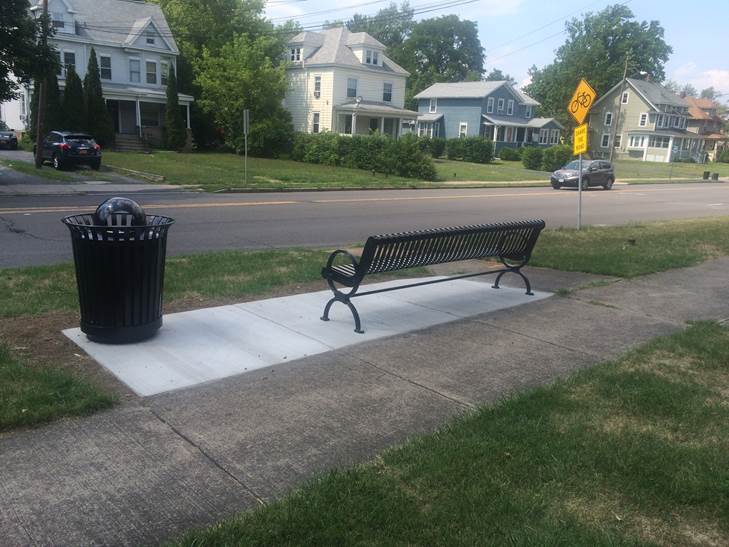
30 231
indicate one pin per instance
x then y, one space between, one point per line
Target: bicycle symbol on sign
583 100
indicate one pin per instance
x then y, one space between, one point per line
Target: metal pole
41 94
245 160
579 195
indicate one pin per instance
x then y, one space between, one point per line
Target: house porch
366 118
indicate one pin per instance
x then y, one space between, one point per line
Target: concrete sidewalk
144 472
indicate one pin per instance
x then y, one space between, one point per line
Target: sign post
579 107
246 123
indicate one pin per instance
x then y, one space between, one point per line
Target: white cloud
718 78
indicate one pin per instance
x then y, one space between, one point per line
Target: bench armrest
332 256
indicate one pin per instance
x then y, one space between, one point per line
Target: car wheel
556 186
96 165
609 184
585 183
57 163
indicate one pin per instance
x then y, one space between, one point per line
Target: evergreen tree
53 119
97 118
175 131
73 102
33 107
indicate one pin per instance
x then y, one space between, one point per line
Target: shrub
510 154
454 149
477 150
532 157
378 153
437 147
556 156
724 156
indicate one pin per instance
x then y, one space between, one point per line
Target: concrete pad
203 345
118 478
277 427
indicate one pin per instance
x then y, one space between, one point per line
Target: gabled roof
654 94
363 39
332 47
139 27
518 122
473 90
113 21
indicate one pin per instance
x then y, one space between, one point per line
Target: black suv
8 140
594 173
64 148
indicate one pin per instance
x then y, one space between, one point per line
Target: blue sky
519 33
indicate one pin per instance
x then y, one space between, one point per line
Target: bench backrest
506 240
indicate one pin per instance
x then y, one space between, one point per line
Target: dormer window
57 19
151 38
528 111
372 57
296 54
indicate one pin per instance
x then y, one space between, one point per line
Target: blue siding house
495 110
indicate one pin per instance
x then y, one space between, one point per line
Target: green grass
629 251
646 169
46 172
33 394
626 453
219 171
490 172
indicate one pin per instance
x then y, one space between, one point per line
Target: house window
544 136
59 70
387 92
500 105
164 72
608 119
375 58
616 142
490 105
57 20
433 106
527 111
105 67
643 120
317 86
151 72
151 38
296 54
676 122
624 98
134 70
149 114
658 142
605 140
351 87
636 141
69 59
315 123
462 129
554 139
372 57
510 108
368 56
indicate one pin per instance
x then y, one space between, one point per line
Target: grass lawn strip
29 169
626 453
31 394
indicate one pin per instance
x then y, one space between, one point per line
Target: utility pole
39 115
614 130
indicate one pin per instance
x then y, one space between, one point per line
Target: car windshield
80 139
6 134
572 165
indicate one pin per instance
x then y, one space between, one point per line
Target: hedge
556 156
724 156
510 154
532 157
435 146
473 149
377 153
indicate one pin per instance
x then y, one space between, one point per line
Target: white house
342 81
135 49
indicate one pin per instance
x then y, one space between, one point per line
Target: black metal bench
511 242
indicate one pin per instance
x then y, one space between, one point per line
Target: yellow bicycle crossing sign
581 101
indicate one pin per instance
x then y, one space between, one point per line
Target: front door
113 108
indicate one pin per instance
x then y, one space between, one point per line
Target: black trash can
119 253
715 176
706 175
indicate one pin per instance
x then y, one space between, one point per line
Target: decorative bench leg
516 271
339 296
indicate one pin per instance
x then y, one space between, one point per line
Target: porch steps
129 143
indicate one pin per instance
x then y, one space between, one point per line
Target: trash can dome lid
120 205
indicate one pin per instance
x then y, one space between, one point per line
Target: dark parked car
594 173
8 140
65 148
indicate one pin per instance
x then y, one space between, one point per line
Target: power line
344 8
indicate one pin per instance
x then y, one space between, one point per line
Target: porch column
670 150
382 125
496 132
188 115
354 123
139 118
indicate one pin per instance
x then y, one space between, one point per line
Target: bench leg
348 303
516 271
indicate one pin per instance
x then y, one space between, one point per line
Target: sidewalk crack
464 404
207 456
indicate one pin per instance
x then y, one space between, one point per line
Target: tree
442 49
596 49
233 81
73 101
21 54
496 75
709 93
687 90
175 131
390 25
97 119
53 118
